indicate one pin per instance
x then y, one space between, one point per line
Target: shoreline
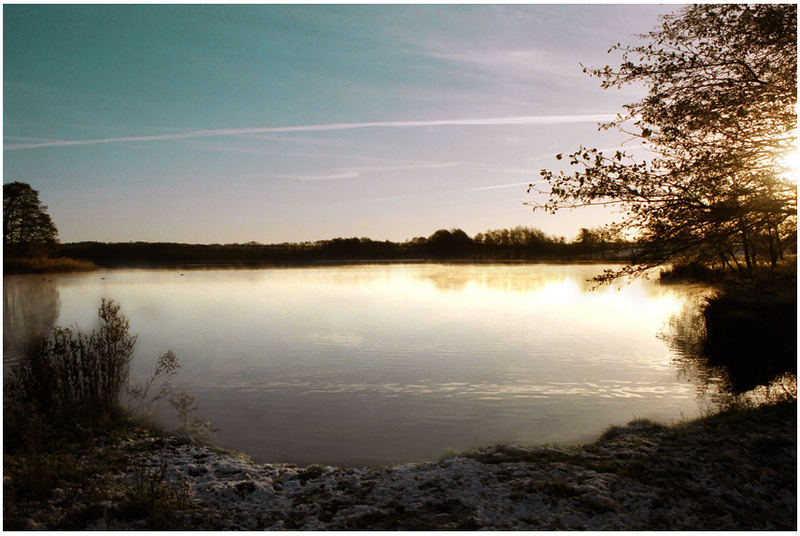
66 268
734 470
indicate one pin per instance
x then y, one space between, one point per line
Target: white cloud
354 172
517 63
403 167
516 171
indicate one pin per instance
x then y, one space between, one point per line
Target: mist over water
374 364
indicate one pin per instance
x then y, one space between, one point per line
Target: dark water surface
375 364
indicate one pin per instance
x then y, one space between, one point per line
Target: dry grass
41 265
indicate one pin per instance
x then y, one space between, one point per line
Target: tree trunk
746 248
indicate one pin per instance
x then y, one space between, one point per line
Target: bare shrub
72 374
139 399
192 428
153 497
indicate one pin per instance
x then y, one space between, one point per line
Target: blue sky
297 122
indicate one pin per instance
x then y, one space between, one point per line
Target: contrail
498 186
494 121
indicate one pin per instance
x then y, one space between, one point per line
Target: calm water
374 364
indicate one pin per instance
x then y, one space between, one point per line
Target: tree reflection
723 379
510 279
30 309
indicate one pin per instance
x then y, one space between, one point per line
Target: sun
789 163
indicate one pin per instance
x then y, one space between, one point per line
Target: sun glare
790 164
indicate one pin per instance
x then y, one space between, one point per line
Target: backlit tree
720 119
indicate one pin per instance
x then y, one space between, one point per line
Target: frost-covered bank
736 470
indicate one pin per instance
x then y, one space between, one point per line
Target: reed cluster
42 265
72 374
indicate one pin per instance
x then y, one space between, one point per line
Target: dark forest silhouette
518 244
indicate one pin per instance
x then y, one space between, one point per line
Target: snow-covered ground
727 472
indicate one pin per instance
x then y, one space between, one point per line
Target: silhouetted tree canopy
453 243
720 117
519 244
27 227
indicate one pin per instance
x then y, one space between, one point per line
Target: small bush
151 497
691 271
71 377
72 374
193 429
310 473
139 400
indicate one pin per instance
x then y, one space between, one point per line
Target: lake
375 364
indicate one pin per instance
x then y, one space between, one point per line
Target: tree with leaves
720 119
28 229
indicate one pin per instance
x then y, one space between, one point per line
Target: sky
291 123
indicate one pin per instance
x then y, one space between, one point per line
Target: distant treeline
520 243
